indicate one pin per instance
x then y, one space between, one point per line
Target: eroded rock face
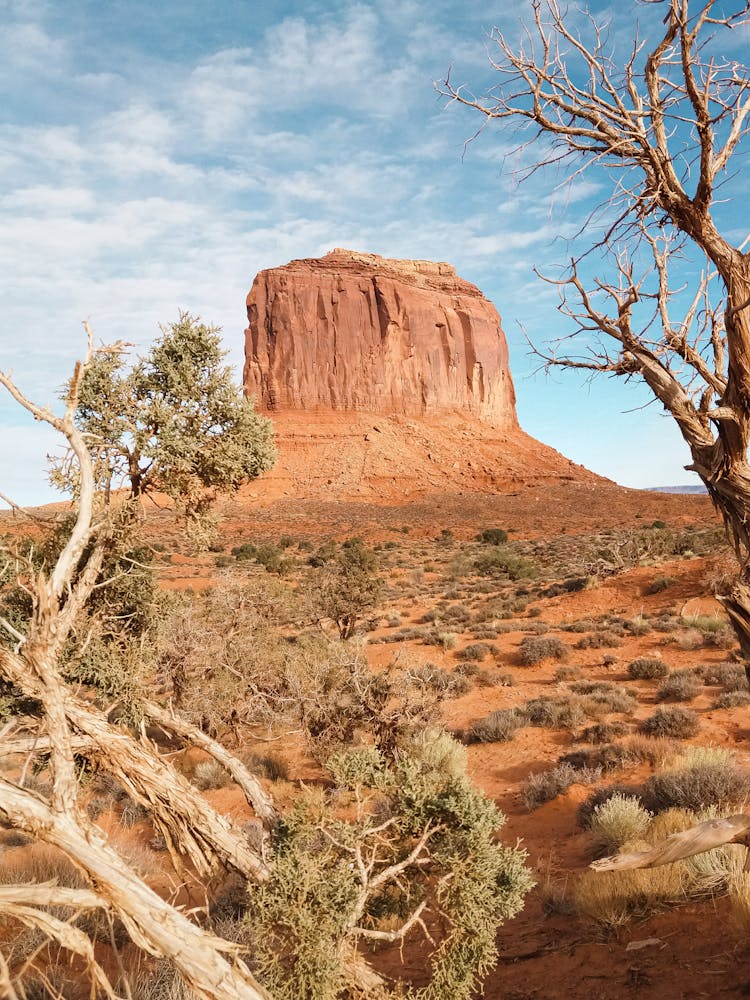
354 331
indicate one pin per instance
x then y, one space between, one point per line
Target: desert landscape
413 564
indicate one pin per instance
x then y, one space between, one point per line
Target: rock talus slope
386 378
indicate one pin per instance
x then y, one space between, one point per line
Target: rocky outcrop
359 332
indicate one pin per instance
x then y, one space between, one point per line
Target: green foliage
347 586
318 894
111 643
503 562
174 421
492 536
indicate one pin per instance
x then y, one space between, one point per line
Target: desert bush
601 795
502 562
697 782
566 673
477 651
603 732
497 727
298 919
440 680
564 712
732 699
730 676
620 819
599 640
682 686
647 668
609 696
535 649
547 785
653 750
492 536
678 723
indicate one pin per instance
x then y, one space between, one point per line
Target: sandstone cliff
358 332
387 380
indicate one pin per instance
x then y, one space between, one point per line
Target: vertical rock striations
358 332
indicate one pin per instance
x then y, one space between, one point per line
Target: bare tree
664 121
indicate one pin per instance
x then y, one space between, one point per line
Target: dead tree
664 121
706 836
190 826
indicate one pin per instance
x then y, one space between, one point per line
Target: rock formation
359 332
386 379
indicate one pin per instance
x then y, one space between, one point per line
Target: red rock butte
386 378
354 331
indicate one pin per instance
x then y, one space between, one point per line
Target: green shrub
301 918
502 562
492 536
610 697
617 820
647 668
678 723
535 648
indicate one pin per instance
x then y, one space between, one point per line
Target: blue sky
157 156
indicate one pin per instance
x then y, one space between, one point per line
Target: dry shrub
732 699
700 779
652 750
536 648
547 785
497 727
565 712
647 668
603 732
682 686
675 722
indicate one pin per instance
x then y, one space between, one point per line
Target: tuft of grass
210 774
614 898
